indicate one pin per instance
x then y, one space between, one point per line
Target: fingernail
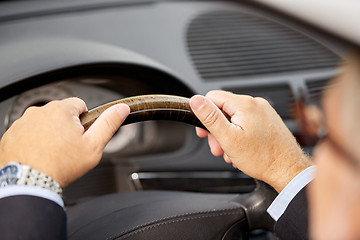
197 101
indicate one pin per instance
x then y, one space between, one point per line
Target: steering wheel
167 214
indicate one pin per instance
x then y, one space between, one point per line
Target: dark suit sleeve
293 224
29 217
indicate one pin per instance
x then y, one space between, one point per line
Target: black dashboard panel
173 47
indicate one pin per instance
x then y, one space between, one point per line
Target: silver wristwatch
19 174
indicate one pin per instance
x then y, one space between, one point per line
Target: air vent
229 44
315 89
279 96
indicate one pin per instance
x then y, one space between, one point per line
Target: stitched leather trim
174 219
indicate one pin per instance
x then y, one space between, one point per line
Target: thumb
102 130
210 116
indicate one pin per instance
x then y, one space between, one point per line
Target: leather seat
170 215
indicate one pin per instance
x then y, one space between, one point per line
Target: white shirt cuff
279 205
15 190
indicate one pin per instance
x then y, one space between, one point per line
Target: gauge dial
35 97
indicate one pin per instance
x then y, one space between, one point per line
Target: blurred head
334 195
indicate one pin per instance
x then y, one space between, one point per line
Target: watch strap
27 176
33 177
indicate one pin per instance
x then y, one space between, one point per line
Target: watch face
9 174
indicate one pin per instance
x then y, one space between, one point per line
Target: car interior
157 179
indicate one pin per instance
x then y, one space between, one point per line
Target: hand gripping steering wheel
160 210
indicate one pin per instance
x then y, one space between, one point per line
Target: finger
211 116
102 130
226 158
201 132
215 148
223 100
75 105
231 103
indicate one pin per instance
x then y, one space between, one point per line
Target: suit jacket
29 217
293 224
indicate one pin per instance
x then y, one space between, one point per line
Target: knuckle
212 93
211 118
261 101
229 93
30 110
76 99
215 93
55 106
248 100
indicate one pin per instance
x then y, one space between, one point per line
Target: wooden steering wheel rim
149 107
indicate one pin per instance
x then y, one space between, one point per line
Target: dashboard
105 50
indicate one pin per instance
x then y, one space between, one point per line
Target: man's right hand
52 140
256 141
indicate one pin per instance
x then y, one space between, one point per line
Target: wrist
20 174
286 169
